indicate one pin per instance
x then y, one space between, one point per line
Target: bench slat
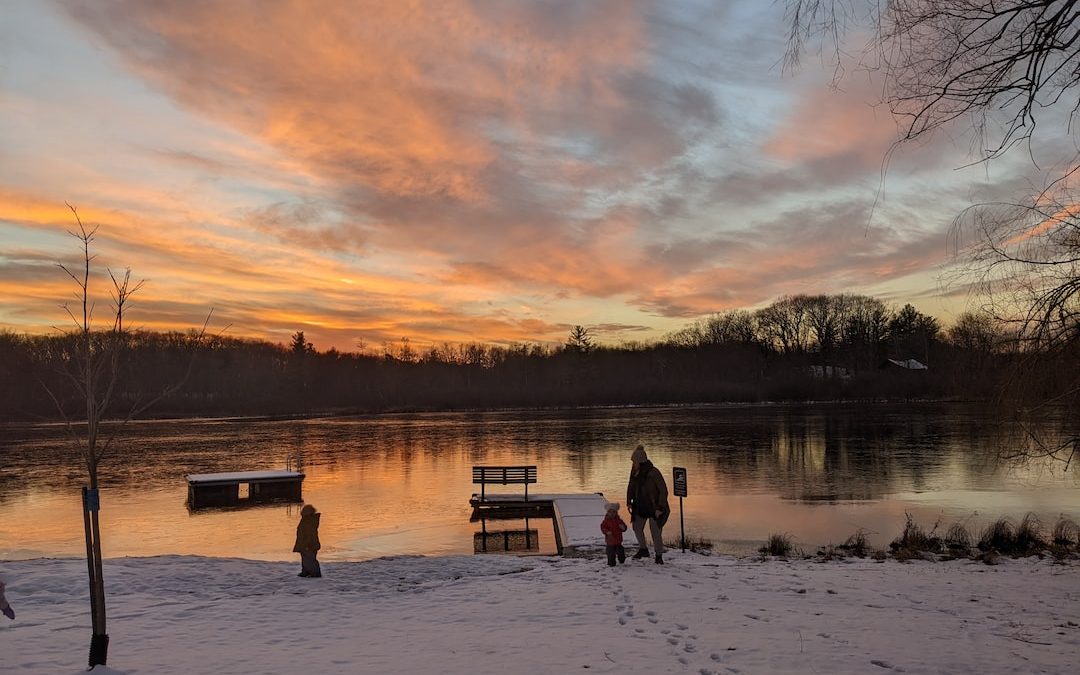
504 475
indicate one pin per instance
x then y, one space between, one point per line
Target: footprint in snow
885 664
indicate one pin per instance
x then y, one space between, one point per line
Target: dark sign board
91 499
680 481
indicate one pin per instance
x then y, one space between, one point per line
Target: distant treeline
798 348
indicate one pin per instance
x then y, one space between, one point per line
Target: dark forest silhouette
823 347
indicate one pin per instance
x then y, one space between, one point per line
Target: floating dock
225 489
576 516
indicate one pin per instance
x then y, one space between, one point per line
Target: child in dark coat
307 542
5 608
613 526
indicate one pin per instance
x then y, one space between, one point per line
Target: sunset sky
454 170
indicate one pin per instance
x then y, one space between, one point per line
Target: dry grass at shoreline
999 538
695 543
778 545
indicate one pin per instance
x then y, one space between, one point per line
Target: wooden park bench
504 475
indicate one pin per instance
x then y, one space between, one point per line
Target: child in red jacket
613 526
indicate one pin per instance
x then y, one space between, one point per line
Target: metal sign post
680 492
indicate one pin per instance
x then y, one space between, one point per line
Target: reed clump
1065 538
998 537
857 544
958 540
695 543
830 552
1030 539
914 540
778 545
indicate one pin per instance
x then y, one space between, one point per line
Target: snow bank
496 614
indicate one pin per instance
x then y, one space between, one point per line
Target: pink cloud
825 122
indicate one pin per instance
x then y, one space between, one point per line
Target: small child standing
5 608
307 542
613 527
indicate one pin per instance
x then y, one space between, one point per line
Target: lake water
400 484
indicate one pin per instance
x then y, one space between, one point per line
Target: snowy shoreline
496 614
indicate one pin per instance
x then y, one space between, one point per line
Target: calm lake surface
400 484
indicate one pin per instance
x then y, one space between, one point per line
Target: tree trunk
99 640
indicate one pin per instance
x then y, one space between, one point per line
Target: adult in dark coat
647 500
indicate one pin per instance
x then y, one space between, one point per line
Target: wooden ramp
577 517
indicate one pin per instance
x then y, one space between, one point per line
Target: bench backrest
504 475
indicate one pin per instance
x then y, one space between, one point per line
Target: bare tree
1025 259
825 316
999 63
784 324
91 367
865 330
976 333
736 326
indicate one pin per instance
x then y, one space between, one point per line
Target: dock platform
577 516
224 489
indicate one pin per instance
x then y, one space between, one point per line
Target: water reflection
522 536
401 484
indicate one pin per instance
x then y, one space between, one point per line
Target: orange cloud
386 96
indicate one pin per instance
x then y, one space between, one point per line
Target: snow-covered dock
223 489
576 516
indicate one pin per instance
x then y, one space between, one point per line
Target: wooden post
90 568
99 639
682 529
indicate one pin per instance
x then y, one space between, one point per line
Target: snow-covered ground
493 614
